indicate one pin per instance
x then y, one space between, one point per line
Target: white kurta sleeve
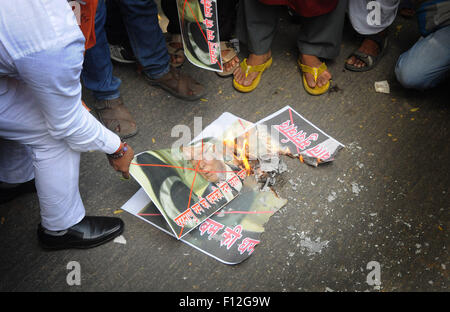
44 47
53 75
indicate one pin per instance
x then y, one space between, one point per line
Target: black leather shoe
8 194
89 232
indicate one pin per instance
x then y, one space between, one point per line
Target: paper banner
200 33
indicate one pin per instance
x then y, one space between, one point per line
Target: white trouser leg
55 168
15 162
372 17
56 173
56 165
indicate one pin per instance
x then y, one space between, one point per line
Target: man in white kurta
43 125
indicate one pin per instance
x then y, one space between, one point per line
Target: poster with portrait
228 231
231 234
200 33
187 184
208 193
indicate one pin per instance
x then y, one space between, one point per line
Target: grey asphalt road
385 198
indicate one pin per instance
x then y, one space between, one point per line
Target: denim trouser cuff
152 75
106 95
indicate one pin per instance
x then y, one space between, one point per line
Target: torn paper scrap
382 86
120 240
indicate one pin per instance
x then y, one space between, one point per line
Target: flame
240 154
247 166
230 143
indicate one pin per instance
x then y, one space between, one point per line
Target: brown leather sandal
115 116
179 84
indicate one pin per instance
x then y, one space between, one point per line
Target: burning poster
299 138
216 193
200 33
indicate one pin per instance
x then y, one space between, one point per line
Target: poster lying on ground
200 33
187 184
209 193
299 137
229 235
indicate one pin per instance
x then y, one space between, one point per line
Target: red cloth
86 17
306 8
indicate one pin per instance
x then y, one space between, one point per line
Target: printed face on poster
187 184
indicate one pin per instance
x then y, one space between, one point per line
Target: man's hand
122 164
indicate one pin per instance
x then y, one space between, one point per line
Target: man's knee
408 75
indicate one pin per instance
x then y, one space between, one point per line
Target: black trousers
320 36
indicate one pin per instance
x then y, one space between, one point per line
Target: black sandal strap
366 58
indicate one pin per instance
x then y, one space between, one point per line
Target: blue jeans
149 46
427 62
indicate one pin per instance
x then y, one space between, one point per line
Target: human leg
116 33
256 27
320 37
55 168
426 63
149 46
374 30
15 162
146 38
97 68
97 76
16 170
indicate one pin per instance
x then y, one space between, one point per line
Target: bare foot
313 61
368 47
252 60
230 64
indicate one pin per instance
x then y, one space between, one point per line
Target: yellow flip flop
247 69
315 71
